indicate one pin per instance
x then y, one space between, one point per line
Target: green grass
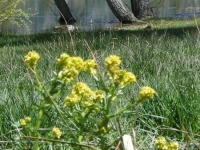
165 24
165 59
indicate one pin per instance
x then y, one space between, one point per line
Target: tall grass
168 63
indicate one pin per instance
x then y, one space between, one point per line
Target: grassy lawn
164 24
165 58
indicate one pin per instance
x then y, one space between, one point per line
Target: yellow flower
65 61
99 95
25 121
71 99
145 93
75 62
129 77
118 76
31 59
71 67
162 144
82 90
56 132
165 147
123 77
62 60
68 74
173 145
86 103
103 129
22 122
112 63
160 141
89 66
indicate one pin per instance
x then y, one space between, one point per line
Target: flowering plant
85 114
162 144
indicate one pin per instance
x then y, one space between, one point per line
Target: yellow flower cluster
112 63
62 60
25 121
121 77
145 93
98 95
71 99
71 66
31 59
81 91
89 66
162 144
56 132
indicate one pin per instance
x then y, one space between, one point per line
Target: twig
186 132
52 140
174 129
196 24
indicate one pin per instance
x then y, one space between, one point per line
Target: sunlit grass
168 63
160 24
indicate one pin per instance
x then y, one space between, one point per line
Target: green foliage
9 11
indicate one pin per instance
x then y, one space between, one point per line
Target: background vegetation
10 11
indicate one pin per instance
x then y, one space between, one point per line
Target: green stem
103 143
38 123
112 91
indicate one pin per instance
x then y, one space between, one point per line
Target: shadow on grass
17 40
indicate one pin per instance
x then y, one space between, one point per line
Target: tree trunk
121 12
140 8
65 13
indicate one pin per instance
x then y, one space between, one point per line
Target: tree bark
140 8
122 13
65 13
